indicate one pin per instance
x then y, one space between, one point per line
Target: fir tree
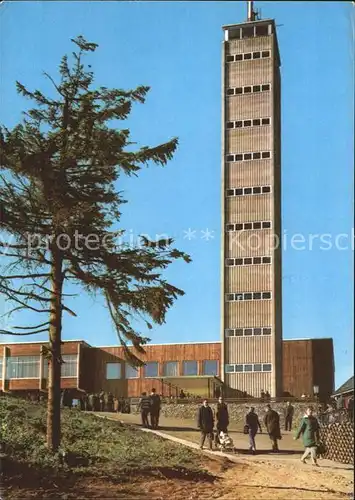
60 207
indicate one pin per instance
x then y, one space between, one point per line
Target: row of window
236 297
247 332
248 56
258 155
256 122
169 369
29 366
248 89
248 191
248 261
245 226
252 31
247 368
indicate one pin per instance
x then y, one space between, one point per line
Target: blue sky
176 49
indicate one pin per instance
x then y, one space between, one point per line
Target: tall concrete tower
251 298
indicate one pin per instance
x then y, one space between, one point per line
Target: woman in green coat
309 429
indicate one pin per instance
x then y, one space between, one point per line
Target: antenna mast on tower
252 15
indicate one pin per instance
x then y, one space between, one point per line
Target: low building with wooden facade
195 368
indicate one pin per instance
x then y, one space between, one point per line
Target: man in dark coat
289 411
272 424
253 423
222 418
205 422
144 406
155 404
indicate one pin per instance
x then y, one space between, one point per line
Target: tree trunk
54 368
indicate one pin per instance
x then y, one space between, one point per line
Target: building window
229 58
210 367
248 89
256 55
113 371
267 367
239 57
265 53
22 367
151 369
262 30
240 226
170 369
70 365
246 296
131 371
248 368
264 155
247 261
189 368
247 332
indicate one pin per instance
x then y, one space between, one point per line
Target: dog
321 450
225 442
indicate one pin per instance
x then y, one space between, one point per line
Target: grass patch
94 447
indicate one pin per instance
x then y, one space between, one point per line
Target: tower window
239 191
238 262
238 124
266 260
239 227
247 90
230 192
257 225
229 58
248 261
262 30
239 57
230 297
239 368
230 227
230 158
256 123
256 55
229 262
266 225
239 332
248 332
267 367
247 56
257 260
266 295
248 32
248 156
229 333
265 154
257 367
248 296
256 88
266 331
265 87
230 124
266 189
239 296
247 123
229 368
230 91
257 296
238 157
256 156
239 90
266 53
248 225
257 331
248 368
265 121
257 190
248 190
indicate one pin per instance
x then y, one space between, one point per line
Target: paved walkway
184 431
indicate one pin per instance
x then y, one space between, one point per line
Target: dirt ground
226 480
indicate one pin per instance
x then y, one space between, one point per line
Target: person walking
205 423
253 423
102 397
272 425
289 411
155 403
309 429
144 406
222 418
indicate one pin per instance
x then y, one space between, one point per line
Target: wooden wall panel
323 366
297 367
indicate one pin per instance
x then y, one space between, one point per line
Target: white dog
225 441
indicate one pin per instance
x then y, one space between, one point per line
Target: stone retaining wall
237 411
338 440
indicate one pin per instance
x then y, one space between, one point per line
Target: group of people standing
149 406
102 401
